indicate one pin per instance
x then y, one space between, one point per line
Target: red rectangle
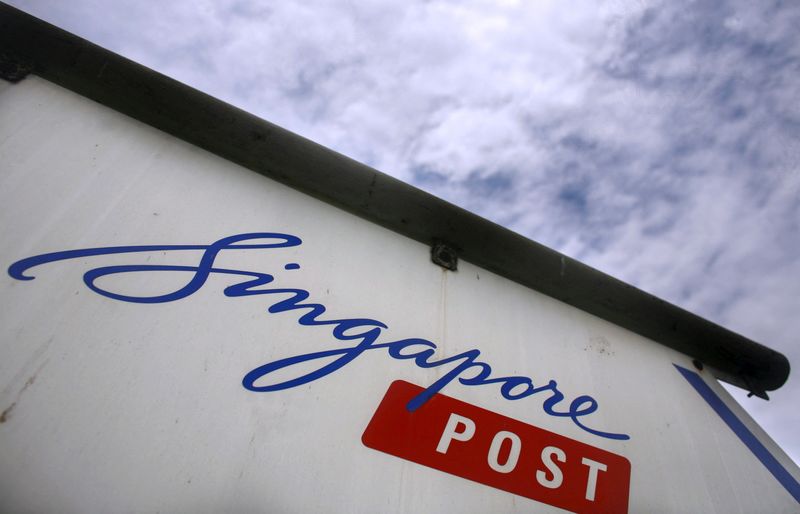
495 450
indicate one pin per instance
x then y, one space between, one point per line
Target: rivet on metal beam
444 256
13 68
753 391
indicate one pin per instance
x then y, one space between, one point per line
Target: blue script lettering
362 333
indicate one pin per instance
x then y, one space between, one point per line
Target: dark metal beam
188 114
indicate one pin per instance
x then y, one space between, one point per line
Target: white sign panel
181 334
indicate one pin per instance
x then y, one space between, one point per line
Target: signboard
480 445
180 333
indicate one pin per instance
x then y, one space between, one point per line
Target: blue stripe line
748 438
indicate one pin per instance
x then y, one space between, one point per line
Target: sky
658 142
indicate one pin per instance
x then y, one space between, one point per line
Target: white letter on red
450 433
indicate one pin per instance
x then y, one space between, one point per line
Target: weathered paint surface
118 406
